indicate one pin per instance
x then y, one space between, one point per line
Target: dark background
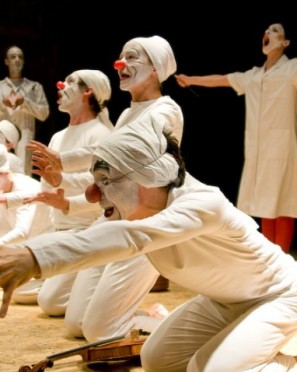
59 37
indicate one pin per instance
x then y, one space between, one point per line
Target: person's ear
88 92
9 146
286 43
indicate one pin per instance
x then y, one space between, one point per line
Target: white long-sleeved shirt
163 109
72 138
200 241
35 106
18 221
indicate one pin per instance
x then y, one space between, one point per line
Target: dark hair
10 47
94 104
174 149
289 29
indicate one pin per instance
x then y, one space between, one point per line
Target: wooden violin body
112 349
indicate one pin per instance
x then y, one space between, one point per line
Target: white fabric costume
269 179
10 134
35 106
93 310
19 221
54 294
72 137
246 310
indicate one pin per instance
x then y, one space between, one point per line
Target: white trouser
205 336
54 294
103 301
28 292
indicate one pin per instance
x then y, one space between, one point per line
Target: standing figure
22 101
269 178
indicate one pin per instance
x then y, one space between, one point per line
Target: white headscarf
138 150
160 53
10 132
4 164
100 84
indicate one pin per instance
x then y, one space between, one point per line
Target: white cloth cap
100 84
10 132
4 164
138 150
161 55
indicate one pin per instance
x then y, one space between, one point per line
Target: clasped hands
13 100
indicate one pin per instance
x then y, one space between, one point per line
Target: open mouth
265 40
108 212
124 76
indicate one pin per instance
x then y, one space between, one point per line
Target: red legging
279 230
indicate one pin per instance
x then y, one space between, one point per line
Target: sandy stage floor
28 336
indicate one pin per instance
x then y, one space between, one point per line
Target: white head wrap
4 164
160 53
138 150
100 84
10 132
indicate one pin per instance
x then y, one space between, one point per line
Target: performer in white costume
20 222
83 95
22 101
246 310
10 136
93 310
269 178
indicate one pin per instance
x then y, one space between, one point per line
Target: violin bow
48 362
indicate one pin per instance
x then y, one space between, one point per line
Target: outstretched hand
53 198
46 163
181 80
43 151
17 266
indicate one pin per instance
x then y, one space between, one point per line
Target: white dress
269 178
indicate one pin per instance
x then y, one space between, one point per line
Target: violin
118 348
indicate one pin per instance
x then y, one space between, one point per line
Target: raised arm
210 81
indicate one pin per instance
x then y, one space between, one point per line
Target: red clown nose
93 194
119 65
60 85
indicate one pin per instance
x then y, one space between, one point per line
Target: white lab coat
269 178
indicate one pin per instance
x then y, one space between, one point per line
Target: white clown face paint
274 38
138 66
70 97
120 195
15 59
